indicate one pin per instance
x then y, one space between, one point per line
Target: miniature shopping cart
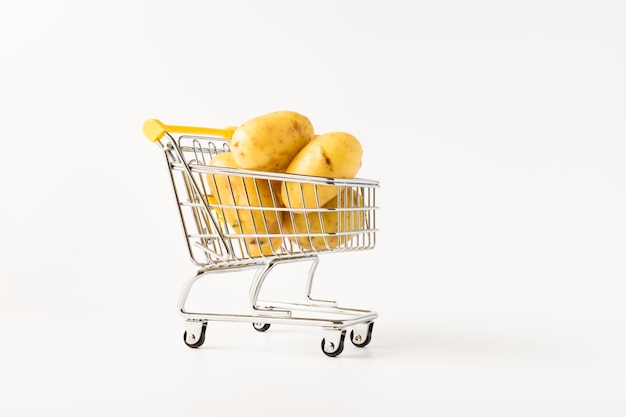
216 245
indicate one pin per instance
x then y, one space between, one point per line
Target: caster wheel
195 338
360 338
334 347
261 327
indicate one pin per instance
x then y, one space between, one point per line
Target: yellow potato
330 155
317 230
250 192
270 141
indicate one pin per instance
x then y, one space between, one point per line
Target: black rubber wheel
200 340
367 340
261 327
338 349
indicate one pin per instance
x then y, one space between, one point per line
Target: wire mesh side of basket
245 221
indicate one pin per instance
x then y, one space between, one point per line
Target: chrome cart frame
217 244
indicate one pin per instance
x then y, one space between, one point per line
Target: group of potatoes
286 142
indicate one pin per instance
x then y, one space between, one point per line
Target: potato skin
235 190
331 155
306 225
270 141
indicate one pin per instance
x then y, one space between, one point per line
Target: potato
327 222
269 142
333 154
245 191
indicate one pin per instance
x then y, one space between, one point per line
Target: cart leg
309 286
255 290
182 299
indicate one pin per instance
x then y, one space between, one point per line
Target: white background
497 132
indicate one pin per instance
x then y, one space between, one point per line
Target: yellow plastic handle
154 130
